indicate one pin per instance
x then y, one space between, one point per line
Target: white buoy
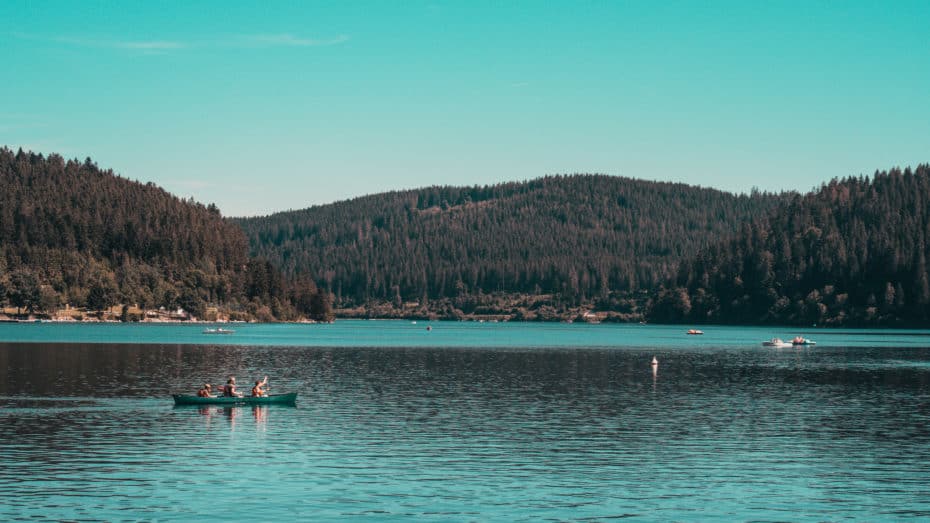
655 362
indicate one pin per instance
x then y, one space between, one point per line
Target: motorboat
695 332
798 341
218 330
776 342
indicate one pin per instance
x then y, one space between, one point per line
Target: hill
567 240
71 233
852 253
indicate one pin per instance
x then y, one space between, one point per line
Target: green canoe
273 399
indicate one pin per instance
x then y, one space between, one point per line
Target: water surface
387 333
531 428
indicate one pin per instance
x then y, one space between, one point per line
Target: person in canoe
206 391
229 390
258 390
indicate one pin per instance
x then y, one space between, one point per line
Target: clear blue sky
267 106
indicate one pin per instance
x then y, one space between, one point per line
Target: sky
261 107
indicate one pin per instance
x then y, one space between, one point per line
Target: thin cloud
289 40
133 45
158 45
163 46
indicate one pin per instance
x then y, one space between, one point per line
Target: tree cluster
71 233
852 253
580 237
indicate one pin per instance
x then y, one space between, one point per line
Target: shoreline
33 319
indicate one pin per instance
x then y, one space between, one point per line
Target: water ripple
460 434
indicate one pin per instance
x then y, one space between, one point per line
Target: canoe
273 399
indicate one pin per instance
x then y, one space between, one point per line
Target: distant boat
218 330
776 342
655 362
798 340
694 332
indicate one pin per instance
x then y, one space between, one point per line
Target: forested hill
71 233
852 253
579 237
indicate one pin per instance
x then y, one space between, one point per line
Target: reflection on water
260 414
444 433
229 415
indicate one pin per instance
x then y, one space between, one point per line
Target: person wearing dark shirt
229 390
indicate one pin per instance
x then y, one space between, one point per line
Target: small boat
218 330
776 342
655 362
694 332
273 399
798 340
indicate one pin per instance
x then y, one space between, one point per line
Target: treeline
71 233
852 253
580 237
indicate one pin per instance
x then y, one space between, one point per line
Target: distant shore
352 314
98 317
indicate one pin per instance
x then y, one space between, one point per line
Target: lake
465 422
